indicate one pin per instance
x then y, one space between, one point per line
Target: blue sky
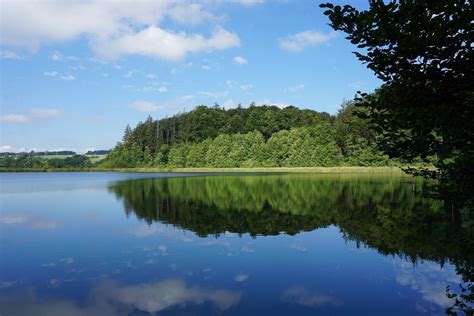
73 74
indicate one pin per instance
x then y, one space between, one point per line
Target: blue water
80 244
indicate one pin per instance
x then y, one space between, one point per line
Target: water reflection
110 298
383 213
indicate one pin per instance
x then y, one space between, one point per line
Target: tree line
257 136
29 161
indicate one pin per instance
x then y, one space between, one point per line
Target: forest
254 136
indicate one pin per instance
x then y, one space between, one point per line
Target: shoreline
358 170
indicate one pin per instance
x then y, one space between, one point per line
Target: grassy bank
226 170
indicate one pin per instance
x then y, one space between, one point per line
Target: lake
236 244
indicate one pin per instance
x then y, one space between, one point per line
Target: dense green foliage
28 161
383 213
263 136
423 53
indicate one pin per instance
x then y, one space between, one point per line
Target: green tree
422 51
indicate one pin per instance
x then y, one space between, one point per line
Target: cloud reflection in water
109 298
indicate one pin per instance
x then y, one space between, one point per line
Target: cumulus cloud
299 41
162 89
164 44
240 60
146 106
113 28
192 14
302 296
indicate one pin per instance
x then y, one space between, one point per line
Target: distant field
94 158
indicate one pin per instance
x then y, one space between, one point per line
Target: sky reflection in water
128 244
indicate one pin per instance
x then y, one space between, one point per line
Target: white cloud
8 54
240 60
187 97
146 106
151 76
241 277
205 67
162 89
33 114
280 105
50 73
18 219
6 148
214 94
231 83
249 3
302 296
67 260
296 88
113 299
163 44
14 118
297 42
44 113
298 247
246 87
111 27
192 14
30 222
56 56
229 104
78 67
68 77
246 249
155 297
429 279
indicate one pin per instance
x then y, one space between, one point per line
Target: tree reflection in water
379 212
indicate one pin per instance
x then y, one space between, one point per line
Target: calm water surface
133 244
